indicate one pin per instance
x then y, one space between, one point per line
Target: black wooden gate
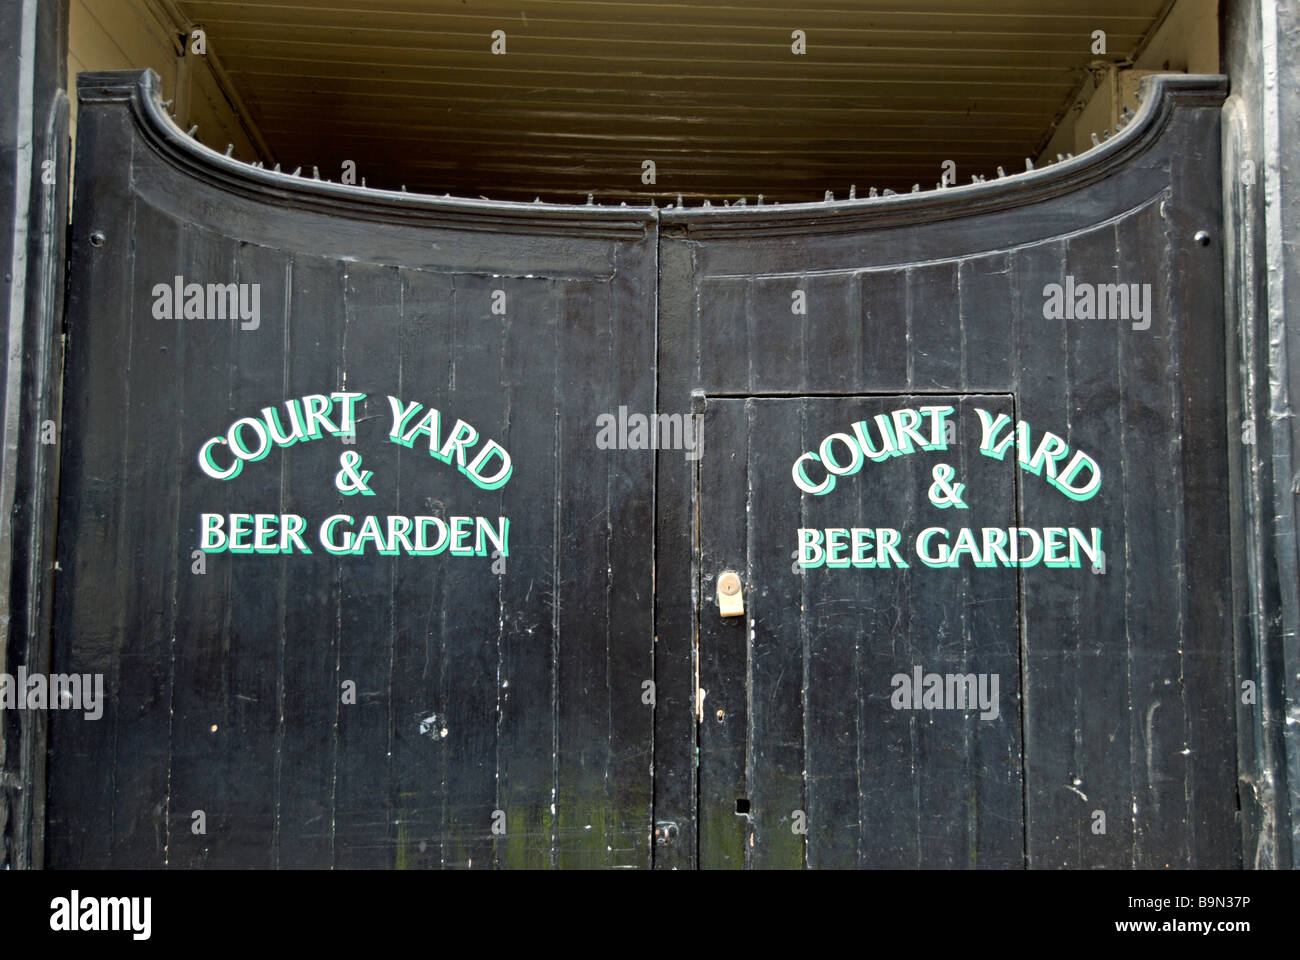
396 525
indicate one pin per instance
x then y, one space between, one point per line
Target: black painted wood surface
497 716
1125 677
571 701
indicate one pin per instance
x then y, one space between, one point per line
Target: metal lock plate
730 601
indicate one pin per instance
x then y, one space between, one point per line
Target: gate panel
1129 757
812 718
451 692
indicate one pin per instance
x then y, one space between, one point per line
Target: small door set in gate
730 601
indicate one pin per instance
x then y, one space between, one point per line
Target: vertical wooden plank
993 776
364 807
774 597
143 688
630 661
1104 774
830 625
584 625
724 521
308 641
833 335
883 318
676 572
529 361
250 672
987 331
1152 451
1212 690
1058 821
935 356
889 741
419 702
102 304
201 779
726 329
471 613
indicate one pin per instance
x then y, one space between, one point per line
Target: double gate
415 532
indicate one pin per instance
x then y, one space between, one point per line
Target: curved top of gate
1160 95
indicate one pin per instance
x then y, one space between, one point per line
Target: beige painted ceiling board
711 92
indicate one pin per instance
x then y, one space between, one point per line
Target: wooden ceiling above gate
714 93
